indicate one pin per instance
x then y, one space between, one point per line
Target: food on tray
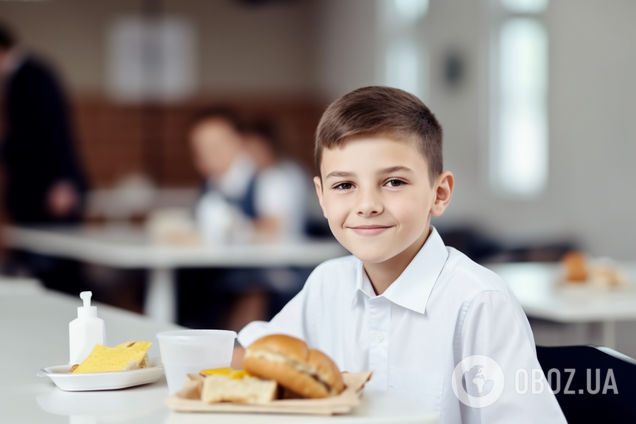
290 362
576 268
226 371
130 355
232 388
230 385
269 362
189 399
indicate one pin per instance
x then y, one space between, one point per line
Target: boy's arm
495 326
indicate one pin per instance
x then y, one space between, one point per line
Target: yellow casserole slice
126 356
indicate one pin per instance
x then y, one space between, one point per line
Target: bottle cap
87 310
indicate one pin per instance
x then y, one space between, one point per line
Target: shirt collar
413 287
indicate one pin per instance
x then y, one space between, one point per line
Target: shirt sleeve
295 319
495 326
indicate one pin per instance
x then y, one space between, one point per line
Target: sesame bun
288 360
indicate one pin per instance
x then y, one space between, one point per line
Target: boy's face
378 198
215 144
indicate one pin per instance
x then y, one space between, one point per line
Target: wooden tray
189 400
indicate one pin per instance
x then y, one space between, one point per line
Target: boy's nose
369 203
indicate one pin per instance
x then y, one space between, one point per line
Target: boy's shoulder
467 278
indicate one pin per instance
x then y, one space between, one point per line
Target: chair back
592 384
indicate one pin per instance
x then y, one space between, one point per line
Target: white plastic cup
190 351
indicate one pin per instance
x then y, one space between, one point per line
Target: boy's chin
372 256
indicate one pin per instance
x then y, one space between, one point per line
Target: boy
405 305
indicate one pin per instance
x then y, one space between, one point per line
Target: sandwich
287 360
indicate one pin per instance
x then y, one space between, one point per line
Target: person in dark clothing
44 182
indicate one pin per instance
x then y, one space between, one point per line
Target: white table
130 247
34 334
542 296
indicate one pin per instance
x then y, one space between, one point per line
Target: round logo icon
478 381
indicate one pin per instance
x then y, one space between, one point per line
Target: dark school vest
246 203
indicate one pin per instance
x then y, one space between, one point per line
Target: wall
256 49
253 49
347 46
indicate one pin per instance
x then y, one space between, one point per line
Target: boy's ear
318 184
443 192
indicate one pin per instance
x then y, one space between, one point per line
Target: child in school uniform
240 201
434 326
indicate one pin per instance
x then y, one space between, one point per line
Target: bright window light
525 6
406 67
411 10
521 142
403 56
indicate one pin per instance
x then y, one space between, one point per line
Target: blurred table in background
12 286
130 247
583 309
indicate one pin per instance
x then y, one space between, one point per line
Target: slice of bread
221 388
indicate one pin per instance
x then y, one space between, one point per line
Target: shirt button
379 337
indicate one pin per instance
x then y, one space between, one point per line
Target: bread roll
291 363
576 268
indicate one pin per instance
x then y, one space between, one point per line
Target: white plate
102 380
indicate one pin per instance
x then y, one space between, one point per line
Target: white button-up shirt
441 309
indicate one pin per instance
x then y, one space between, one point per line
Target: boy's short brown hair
381 111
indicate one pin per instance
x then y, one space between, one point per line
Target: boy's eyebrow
390 170
393 169
339 174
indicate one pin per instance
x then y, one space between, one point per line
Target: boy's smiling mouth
369 230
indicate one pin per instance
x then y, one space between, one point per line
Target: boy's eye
343 186
395 183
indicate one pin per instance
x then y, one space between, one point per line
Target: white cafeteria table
34 334
541 295
125 246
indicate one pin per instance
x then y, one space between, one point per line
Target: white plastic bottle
86 330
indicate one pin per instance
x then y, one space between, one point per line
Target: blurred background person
248 193
229 175
44 182
282 187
